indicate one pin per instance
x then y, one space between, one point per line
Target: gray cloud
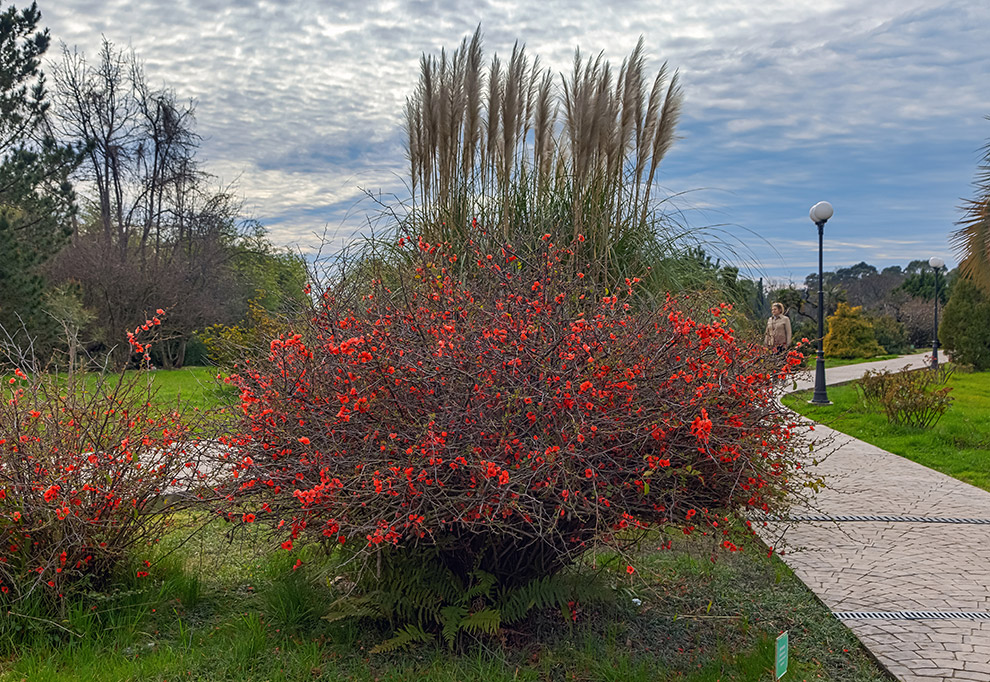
300 101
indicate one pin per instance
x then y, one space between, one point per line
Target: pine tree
36 199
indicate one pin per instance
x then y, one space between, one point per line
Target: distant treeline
106 215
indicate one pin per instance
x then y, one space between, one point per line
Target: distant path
899 552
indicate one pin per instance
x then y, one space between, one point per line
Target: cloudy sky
877 106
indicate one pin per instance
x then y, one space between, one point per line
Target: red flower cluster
81 471
502 413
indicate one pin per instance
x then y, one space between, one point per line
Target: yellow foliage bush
850 334
227 344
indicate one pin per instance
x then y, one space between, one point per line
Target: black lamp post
937 264
820 213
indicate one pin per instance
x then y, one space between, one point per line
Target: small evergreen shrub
965 328
226 345
850 334
891 334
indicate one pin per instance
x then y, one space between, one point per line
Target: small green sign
781 666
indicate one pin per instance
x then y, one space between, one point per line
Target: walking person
778 334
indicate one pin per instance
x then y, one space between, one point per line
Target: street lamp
937 264
820 213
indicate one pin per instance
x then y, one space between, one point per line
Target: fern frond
486 621
403 639
365 606
556 591
452 618
483 586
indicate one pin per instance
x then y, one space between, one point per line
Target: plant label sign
781 660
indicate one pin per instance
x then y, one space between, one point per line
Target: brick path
887 567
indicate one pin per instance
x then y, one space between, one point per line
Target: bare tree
161 231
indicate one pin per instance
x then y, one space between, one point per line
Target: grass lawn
221 610
195 387
959 445
188 388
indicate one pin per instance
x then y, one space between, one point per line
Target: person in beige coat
778 334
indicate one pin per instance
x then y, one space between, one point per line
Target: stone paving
890 566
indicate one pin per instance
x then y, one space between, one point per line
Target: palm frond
972 240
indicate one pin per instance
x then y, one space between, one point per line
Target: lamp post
820 213
937 264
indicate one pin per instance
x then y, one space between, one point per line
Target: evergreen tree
36 200
963 331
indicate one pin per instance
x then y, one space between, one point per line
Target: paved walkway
912 580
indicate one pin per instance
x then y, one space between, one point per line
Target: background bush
910 397
850 334
82 475
85 467
891 334
965 327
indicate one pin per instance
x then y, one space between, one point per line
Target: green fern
364 606
403 639
422 599
483 622
550 591
452 618
482 588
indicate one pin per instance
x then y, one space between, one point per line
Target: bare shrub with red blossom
85 467
510 416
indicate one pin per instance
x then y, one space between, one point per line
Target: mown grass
189 388
958 445
224 607
228 609
186 389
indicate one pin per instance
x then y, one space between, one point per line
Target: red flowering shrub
511 418
83 470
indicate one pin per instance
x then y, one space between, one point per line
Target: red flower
142 574
304 440
701 427
630 570
249 518
287 545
